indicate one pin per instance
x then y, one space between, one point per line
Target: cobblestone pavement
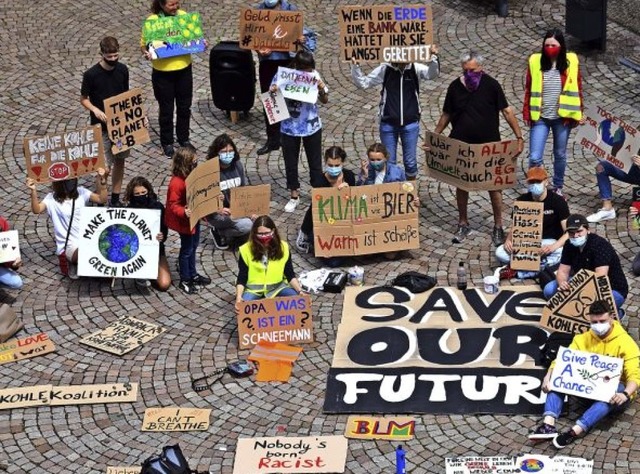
47 46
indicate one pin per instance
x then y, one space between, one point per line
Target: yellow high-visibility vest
264 280
569 105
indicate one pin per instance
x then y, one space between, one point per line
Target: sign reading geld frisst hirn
277 30
119 243
126 120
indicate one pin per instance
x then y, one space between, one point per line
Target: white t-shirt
60 213
380 176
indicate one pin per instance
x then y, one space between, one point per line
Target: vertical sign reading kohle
203 190
64 155
119 243
126 120
277 30
166 36
365 219
247 201
526 235
274 106
9 246
480 167
399 34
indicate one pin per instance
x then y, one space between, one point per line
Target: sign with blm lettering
126 120
274 106
125 335
247 201
526 235
395 428
274 29
203 190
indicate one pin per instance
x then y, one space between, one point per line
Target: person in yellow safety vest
552 102
265 269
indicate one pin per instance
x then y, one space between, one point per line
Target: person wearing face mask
554 236
265 269
552 102
606 337
376 168
107 78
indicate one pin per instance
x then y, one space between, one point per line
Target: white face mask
578 241
600 329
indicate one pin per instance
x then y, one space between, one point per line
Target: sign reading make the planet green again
168 36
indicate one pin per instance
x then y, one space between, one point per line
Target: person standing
477 98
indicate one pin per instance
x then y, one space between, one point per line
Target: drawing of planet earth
118 243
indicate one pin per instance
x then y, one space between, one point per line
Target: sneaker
544 431
186 144
142 284
188 287
302 242
507 273
291 205
219 241
201 280
602 215
497 236
168 150
564 439
463 231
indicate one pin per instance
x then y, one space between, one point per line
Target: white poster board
274 106
9 246
297 85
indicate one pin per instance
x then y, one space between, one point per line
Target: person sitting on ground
9 278
606 337
376 169
604 171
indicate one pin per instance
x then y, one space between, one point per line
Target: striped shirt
551 89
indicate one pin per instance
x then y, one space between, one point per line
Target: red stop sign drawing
59 171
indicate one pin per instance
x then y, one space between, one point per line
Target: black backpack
415 282
555 341
171 461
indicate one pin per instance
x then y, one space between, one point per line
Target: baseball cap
537 173
575 221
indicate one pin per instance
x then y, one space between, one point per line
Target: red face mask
265 239
552 51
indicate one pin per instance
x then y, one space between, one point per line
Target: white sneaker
291 205
142 283
302 242
73 271
602 215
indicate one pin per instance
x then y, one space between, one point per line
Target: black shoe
269 147
168 150
116 203
219 241
564 439
201 280
188 287
186 144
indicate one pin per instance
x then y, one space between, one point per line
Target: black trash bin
233 77
587 21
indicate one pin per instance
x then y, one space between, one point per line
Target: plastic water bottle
462 276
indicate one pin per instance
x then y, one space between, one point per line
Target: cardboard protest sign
441 351
395 428
290 454
401 34
608 137
123 470
277 30
166 36
571 465
64 155
203 190
365 219
480 464
176 419
126 120
247 201
567 311
9 246
31 346
274 106
526 235
297 85
540 463
284 319
119 242
480 167
123 336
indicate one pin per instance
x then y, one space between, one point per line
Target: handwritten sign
572 465
176 419
203 190
297 85
247 201
65 155
480 167
395 428
401 34
274 106
31 346
277 30
126 120
284 319
365 219
123 470
526 235
568 311
480 465
123 336
119 242
167 36
9 246
608 137
290 454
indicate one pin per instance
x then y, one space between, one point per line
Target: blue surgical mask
226 157
270 3
377 165
578 241
333 171
536 189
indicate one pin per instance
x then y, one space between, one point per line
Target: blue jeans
596 412
408 135
9 278
609 169
246 296
538 138
551 288
187 256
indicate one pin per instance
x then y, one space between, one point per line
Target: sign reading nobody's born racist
297 85
167 36
526 235
277 30
247 201
176 419
365 219
126 120
441 351
9 246
568 311
480 167
30 346
203 190
64 155
400 34
290 454
284 319
119 243
123 336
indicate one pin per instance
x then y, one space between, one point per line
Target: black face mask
140 201
110 62
70 185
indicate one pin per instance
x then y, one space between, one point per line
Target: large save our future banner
441 351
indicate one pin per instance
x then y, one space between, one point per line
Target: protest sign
9 246
126 120
365 219
608 137
176 419
166 36
397 428
441 351
526 235
247 201
123 470
568 311
480 167
571 465
119 242
284 319
277 30
290 454
203 190
64 155
480 465
31 346
540 463
123 336
297 85
399 34
274 106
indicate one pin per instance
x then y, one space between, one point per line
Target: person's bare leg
462 199
496 204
